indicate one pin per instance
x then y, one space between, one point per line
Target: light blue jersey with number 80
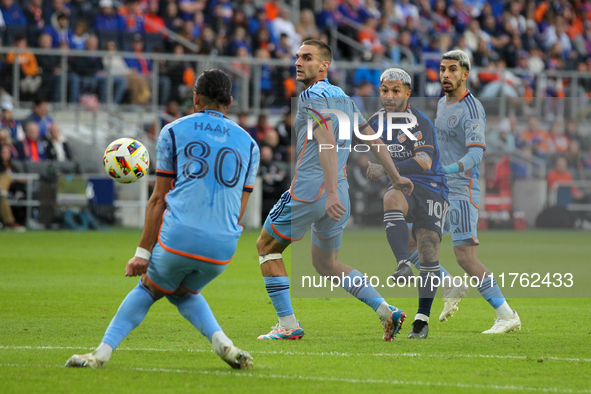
212 161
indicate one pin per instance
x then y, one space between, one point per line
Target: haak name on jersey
218 128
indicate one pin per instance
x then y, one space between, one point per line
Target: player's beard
453 88
392 107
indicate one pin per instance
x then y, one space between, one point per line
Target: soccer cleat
503 325
452 296
236 358
420 330
279 332
88 360
403 271
393 324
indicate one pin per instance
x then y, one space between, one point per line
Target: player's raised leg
395 210
507 319
273 269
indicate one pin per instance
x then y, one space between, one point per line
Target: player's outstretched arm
330 168
380 151
138 265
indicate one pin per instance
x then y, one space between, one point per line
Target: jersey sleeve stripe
248 189
165 174
476 145
249 164
424 146
173 139
472 105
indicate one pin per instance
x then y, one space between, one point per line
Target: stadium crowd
522 38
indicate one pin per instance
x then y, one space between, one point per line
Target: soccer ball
126 160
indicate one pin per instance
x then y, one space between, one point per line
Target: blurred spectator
571 132
133 15
307 26
39 116
238 41
262 39
181 75
272 9
361 97
30 80
266 82
189 7
107 19
261 128
172 19
559 142
59 29
283 25
34 15
587 160
259 21
153 22
5 183
56 147
284 131
84 69
30 148
330 16
12 14
6 140
405 10
50 70
123 78
143 67
79 35
83 10
271 140
532 131
239 82
561 174
54 8
274 175
244 122
7 120
573 155
239 19
501 139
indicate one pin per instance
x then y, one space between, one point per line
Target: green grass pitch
59 290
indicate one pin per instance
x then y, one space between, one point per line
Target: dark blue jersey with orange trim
424 151
460 125
212 161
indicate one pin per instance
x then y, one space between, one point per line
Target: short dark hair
215 86
325 50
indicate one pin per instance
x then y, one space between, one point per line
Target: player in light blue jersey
206 168
460 125
318 196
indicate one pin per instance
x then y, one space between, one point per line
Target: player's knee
464 257
394 199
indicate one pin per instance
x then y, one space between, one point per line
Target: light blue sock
130 314
278 290
358 287
196 310
491 292
414 258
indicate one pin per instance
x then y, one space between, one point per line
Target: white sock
288 321
383 311
420 316
218 340
103 352
504 310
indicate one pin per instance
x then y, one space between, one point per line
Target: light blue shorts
462 223
290 219
169 271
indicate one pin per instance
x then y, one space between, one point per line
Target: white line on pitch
244 374
334 353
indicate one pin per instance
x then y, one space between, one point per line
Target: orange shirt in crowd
28 63
565 177
543 136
